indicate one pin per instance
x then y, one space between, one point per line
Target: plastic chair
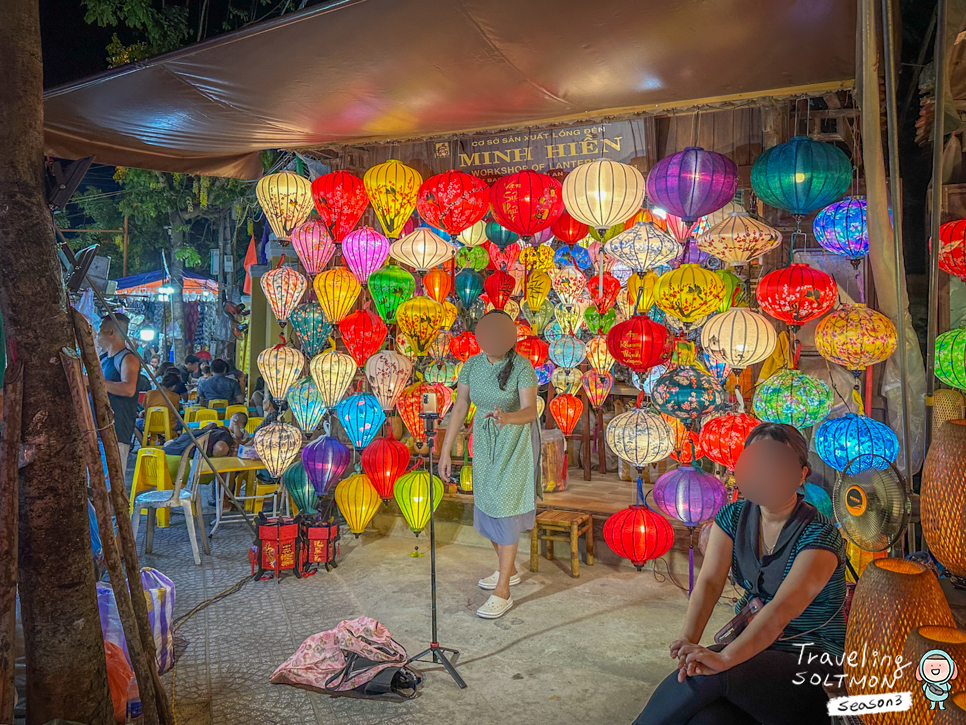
203 416
157 423
186 494
151 472
252 424
232 409
190 411
218 403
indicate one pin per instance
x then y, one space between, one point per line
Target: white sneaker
490 582
494 608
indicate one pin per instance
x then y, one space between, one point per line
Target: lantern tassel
640 488
690 561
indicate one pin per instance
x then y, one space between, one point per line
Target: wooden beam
9 511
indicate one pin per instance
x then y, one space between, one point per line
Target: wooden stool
572 523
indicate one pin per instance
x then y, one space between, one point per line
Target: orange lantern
566 411
438 284
533 349
686 445
410 405
597 386
598 355
337 290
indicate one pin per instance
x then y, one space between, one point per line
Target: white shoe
495 607
490 582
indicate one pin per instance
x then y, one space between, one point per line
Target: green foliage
159 30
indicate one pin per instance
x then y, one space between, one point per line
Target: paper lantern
689 292
603 291
337 290
526 202
415 495
501 237
283 288
463 346
474 235
286 199
384 461
639 343
640 437
841 228
277 444
420 319
855 443
311 327
363 334
280 367
707 221
602 193
533 349
801 175
389 287
503 258
469 287
410 406
566 411
567 351
450 313
600 324
723 438
466 476
332 372
567 229
313 244
739 239
598 355
739 337
735 291
439 350
340 198
601 236
793 398
325 460
643 247
536 288
569 284
952 248
855 337
306 404
597 387
452 201
475 258
687 394
422 250
298 486
573 256
638 534
443 372
388 374
536 259
796 294
816 495
943 496
392 188
951 358
358 500
437 284
692 182
539 318
365 250
499 286
566 381
361 417
686 446
640 293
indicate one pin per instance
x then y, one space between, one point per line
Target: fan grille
871 507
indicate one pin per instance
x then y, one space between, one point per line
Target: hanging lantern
567 352
314 245
944 496
601 236
410 406
392 188
952 248
277 445
340 198
388 373
793 398
723 438
601 194
469 287
452 201
443 372
566 381
414 496
474 235
503 258
639 343
420 318
597 386
475 258
569 284
640 437
692 183
437 284
306 404
567 229
566 411
855 337
686 446
600 324
598 355
801 175
463 346
325 460
796 294
536 288
735 291
739 239
689 292
526 202
311 327
501 237
298 486
280 367
638 534
687 393
603 291
361 417
439 350
739 337
365 250
533 349
856 443
384 461
332 372
422 250
688 494
573 256
951 358
841 228
536 259
358 500
643 247
337 290
640 293
363 333
389 287
286 199
499 287
716 217
283 288
539 318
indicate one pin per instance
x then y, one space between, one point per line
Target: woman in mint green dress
506 449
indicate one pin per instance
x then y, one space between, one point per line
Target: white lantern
332 372
603 193
422 249
388 373
277 445
281 367
640 437
738 239
739 337
286 199
642 247
475 235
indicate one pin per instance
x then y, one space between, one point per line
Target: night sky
72 48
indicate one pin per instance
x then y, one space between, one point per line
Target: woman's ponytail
503 376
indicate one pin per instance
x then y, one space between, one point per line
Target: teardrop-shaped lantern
566 411
365 250
361 417
358 501
280 367
796 294
692 182
566 381
363 334
499 286
422 250
384 461
642 247
325 460
855 337
298 486
392 188
390 287
801 175
603 291
277 445
597 386
388 375
306 404
410 406
526 202
639 343
313 244
738 239
598 355
283 288
640 437
469 287
639 534
603 193
417 497
689 293
739 337
475 235
340 198
286 199
463 346
453 201
539 318
437 284
332 372
570 284
337 290
420 319
536 288
311 327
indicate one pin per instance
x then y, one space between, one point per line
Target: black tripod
438 653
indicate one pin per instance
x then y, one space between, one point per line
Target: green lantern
734 290
300 488
444 372
390 287
538 319
951 358
466 479
472 257
793 398
609 233
412 494
801 175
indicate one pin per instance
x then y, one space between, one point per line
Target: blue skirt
505 530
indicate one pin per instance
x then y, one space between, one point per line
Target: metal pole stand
437 652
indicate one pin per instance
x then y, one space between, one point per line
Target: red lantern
952 248
340 199
438 284
533 349
568 230
639 343
502 259
363 333
566 410
723 438
526 202
499 287
384 460
410 405
796 294
604 295
463 346
452 201
638 534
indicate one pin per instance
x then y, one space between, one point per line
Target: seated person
792 558
219 386
155 399
205 370
237 427
257 401
181 389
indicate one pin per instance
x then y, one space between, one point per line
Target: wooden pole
102 508
9 511
125 245
585 424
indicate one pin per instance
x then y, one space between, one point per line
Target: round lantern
337 290
389 287
314 245
638 534
463 346
567 229
363 333
723 438
603 291
499 286
738 239
340 198
417 498
801 175
361 417
392 188
536 259
687 394
388 374
280 367
573 256
437 284
325 460
951 358
283 288
277 444
311 327
567 351
692 183
643 247
640 437
841 228
422 250
365 250
358 500
943 496
856 443
566 411
601 194
796 294
500 236
793 398
526 202
855 337
598 354
444 372
286 199
689 292
469 287
533 349
952 248
475 235
306 404
298 486
384 461
420 318
639 343
739 337
332 372
597 387
452 201
565 380
716 217
600 324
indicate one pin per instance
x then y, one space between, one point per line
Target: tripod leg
442 659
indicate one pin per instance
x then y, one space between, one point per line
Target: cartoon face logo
936 670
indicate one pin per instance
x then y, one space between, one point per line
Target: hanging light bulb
422 250
286 199
332 372
283 288
306 404
337 290
280 367
277 445
388 374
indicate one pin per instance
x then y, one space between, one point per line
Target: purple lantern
691 255
365 250
692 183
325 460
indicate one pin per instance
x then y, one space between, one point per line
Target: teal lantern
816 495
801 175
300 488
951 358
444 372
567 351
469 286
311 327
306 404
793 398
688 394
856 443
500 236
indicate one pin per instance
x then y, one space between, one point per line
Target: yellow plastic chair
252 424
151 472
232 409
156 423
190 411
204 416
218 403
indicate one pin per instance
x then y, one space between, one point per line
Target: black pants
761 690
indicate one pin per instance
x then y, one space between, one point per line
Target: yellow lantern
475 235
281 367
283 288
420 319
392 188
598 355
412 493
277 446
451 313
466 478
570 317
566 380
640 292
422 250
855 337
511 308
603 193
332 372
286 199
540 406
536 288
337 290
388 373
358 500
689 293
537 259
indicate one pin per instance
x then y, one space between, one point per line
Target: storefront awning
362 71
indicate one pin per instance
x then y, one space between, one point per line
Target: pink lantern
365 250
314 245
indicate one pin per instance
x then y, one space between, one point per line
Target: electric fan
872 507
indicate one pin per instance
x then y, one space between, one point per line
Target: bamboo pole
102 508
9 511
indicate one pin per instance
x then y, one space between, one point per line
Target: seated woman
155 399
790 557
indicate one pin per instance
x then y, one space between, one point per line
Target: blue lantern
469 287
801 175
553 331
306 403
361 417
856 442
816 495
501 237
567 351
573 255
544 372
311 327
645 381
841 228
300 488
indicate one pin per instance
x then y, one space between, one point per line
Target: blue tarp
136 280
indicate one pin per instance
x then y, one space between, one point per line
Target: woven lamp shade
943 496
955 712
921 640
946 405
892 599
